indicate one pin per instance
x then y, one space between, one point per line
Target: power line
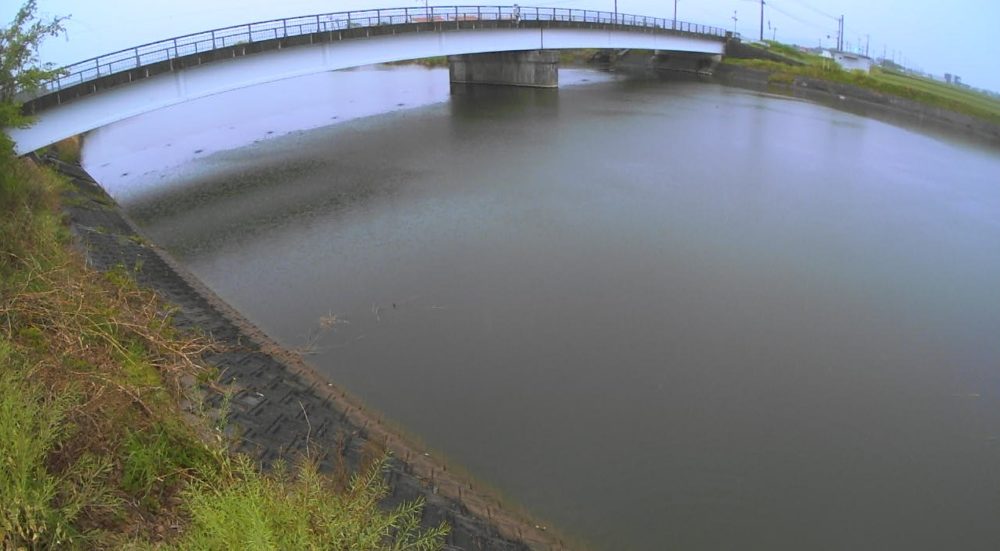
817 10
799 19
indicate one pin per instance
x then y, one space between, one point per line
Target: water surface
661 314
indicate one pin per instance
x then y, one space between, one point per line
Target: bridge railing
172 48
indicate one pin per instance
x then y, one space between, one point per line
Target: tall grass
301 510
96 450
32 426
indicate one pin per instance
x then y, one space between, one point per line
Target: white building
850 61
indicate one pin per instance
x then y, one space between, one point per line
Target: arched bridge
112 87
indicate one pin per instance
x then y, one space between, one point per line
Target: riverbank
279 408
138 454
880 93
861 101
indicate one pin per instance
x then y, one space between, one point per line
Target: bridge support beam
534 68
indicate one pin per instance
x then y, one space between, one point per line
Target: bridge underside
134 92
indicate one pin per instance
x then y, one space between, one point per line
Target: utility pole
761 20
616 12
840 34
734 21
774 34
868 40
675 14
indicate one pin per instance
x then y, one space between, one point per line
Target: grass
577 56
429 62
297 510
918 89
32 425
96 450
567 57
794 54
958 94
68 150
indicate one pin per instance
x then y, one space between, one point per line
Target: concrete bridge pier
532 68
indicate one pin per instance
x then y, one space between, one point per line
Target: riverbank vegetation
103 439
579 56
886 81
428 62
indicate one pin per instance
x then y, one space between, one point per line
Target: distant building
947 78
851 61
957 80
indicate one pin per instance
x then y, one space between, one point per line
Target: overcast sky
957 37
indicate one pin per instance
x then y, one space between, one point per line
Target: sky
933 36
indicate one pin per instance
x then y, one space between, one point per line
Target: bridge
123 84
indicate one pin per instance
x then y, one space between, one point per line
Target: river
657 314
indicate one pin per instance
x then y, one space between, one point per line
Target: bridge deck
110 70
116 86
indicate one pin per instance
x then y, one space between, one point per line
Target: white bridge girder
115 104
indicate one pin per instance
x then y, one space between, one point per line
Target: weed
95 448
302 511
31 427
156 460
68 150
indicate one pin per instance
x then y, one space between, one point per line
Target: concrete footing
533 68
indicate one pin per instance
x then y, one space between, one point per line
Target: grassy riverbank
428 62
912 87
566 57
103 441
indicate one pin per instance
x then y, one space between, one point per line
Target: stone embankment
279 407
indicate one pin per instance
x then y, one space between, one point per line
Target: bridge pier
532 68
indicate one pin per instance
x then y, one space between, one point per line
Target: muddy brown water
662 315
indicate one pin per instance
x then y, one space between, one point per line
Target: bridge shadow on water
276 185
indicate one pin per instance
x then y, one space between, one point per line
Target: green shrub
247 510
32 425
156 460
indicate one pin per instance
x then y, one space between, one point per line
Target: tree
20 69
